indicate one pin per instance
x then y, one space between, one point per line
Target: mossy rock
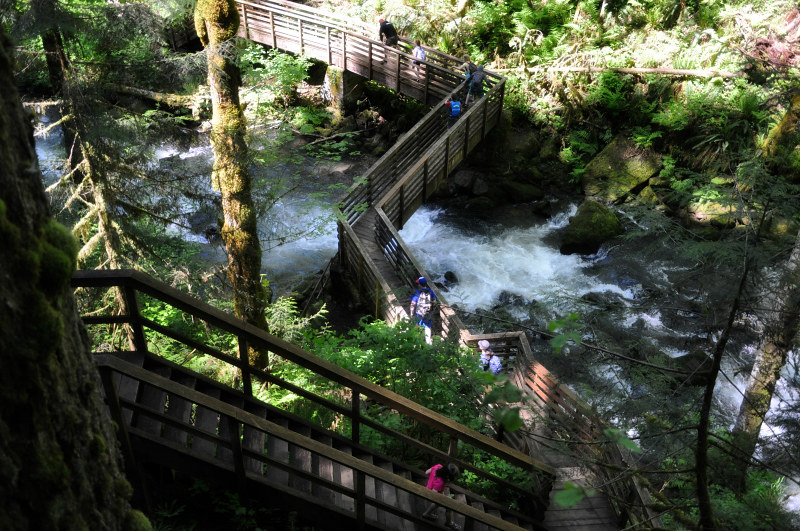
515 192
589 228
620 170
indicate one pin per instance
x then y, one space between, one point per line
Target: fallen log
591 69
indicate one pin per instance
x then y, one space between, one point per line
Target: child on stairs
439 478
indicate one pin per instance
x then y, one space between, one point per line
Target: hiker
421 304
468 67
453 111
489 359
387 33
477 83
439 478
419 55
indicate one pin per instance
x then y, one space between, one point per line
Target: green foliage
644 137
571 495
569 329
273 73
609 95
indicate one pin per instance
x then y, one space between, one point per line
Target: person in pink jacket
439 477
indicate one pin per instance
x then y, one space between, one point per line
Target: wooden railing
341 42
574 421
231 436
346 394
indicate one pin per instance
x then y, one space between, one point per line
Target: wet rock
516 192
589 228
620 170
480 187
450 278
605 300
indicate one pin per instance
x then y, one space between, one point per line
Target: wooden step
300 459
180 409
343 475
151 398
322 468
255 440
278 449
206 420
478 526
387 494
370 512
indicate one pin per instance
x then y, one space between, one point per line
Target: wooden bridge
179 419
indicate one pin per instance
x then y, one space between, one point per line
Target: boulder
589 228
516 192
621 169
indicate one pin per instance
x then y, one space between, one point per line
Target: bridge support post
345 88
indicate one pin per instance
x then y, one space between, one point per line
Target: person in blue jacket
422 306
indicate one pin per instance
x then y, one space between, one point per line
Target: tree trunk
217 22
701 451
778 340
784 135
60 467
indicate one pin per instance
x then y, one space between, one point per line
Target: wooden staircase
172 417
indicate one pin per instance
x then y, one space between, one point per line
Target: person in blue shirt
453 111
421 307
489 359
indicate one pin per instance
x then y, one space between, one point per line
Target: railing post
452 448
425 181
300 31
355 418
397 70
402 207
328 44
369 61
485 113
272 30
244 358
447 156
137 330
235 432
344 50
466 136
427 84
131 464
244 21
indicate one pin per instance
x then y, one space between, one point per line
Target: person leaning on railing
387 34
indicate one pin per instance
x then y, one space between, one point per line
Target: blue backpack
455 108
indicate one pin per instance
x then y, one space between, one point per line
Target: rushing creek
505 260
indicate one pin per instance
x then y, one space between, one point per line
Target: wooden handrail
135 282
244 418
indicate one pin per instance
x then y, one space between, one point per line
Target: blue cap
422 282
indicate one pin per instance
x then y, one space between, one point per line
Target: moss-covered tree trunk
777 341
60 467
217 22
786 135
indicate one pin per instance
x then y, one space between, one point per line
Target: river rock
516 192
620 170
450 278
589 228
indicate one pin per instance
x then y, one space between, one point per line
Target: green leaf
570 496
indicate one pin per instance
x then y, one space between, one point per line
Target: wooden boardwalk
291 459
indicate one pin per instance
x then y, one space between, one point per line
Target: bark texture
217 22
60 467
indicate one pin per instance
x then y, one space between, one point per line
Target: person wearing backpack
477 83
453 111
421 305
468 67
